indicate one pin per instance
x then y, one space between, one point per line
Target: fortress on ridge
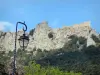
46 38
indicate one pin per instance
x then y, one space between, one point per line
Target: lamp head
23 40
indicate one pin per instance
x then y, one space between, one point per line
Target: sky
57 13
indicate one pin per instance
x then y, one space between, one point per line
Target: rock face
7 41
46 38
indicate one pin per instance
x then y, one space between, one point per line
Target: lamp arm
22 24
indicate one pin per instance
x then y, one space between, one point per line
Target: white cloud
6 26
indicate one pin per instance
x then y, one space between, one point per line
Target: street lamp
23 41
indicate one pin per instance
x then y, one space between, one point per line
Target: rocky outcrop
7 41
46 38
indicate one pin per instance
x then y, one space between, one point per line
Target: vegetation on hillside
73 59
36 69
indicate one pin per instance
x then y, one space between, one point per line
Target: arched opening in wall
50 35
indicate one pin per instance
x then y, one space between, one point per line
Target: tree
36 69
95 38
32 32
2 70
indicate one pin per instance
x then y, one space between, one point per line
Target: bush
36 69
32 32
2 70
96 39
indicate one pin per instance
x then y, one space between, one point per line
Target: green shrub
96 39
36 69
32 32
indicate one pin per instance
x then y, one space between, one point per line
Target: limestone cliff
47 38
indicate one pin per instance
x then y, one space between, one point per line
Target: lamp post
23 41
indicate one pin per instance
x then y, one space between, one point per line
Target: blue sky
56 12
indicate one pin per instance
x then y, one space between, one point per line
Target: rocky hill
45 38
